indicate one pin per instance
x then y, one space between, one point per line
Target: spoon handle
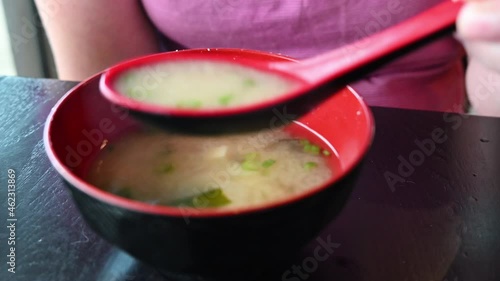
341 61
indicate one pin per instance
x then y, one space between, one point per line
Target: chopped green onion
225 100
209 199
125 193
249 82
311 148
165 169
250 165
190 104
268 163
310 165
326 152
315 149
307 148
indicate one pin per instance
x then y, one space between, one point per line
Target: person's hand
478 27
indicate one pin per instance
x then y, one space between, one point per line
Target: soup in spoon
201 84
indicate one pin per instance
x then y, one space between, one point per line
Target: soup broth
201 84
216 171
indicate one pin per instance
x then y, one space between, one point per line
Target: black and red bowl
208 244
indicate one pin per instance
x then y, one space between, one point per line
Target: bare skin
89 36
478 27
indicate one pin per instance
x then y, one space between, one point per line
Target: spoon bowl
314 77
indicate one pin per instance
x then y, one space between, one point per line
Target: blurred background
24 49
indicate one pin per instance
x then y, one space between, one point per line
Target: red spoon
311 73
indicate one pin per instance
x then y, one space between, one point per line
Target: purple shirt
429 78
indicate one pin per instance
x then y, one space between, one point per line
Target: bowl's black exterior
238 247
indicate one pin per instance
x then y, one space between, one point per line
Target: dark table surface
428 215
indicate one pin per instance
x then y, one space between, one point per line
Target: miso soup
216 171
201 84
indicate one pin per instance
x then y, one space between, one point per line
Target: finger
483 89
479 20
484 52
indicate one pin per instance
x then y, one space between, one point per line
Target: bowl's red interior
83 119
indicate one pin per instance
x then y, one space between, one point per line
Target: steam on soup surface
201 84
216 171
